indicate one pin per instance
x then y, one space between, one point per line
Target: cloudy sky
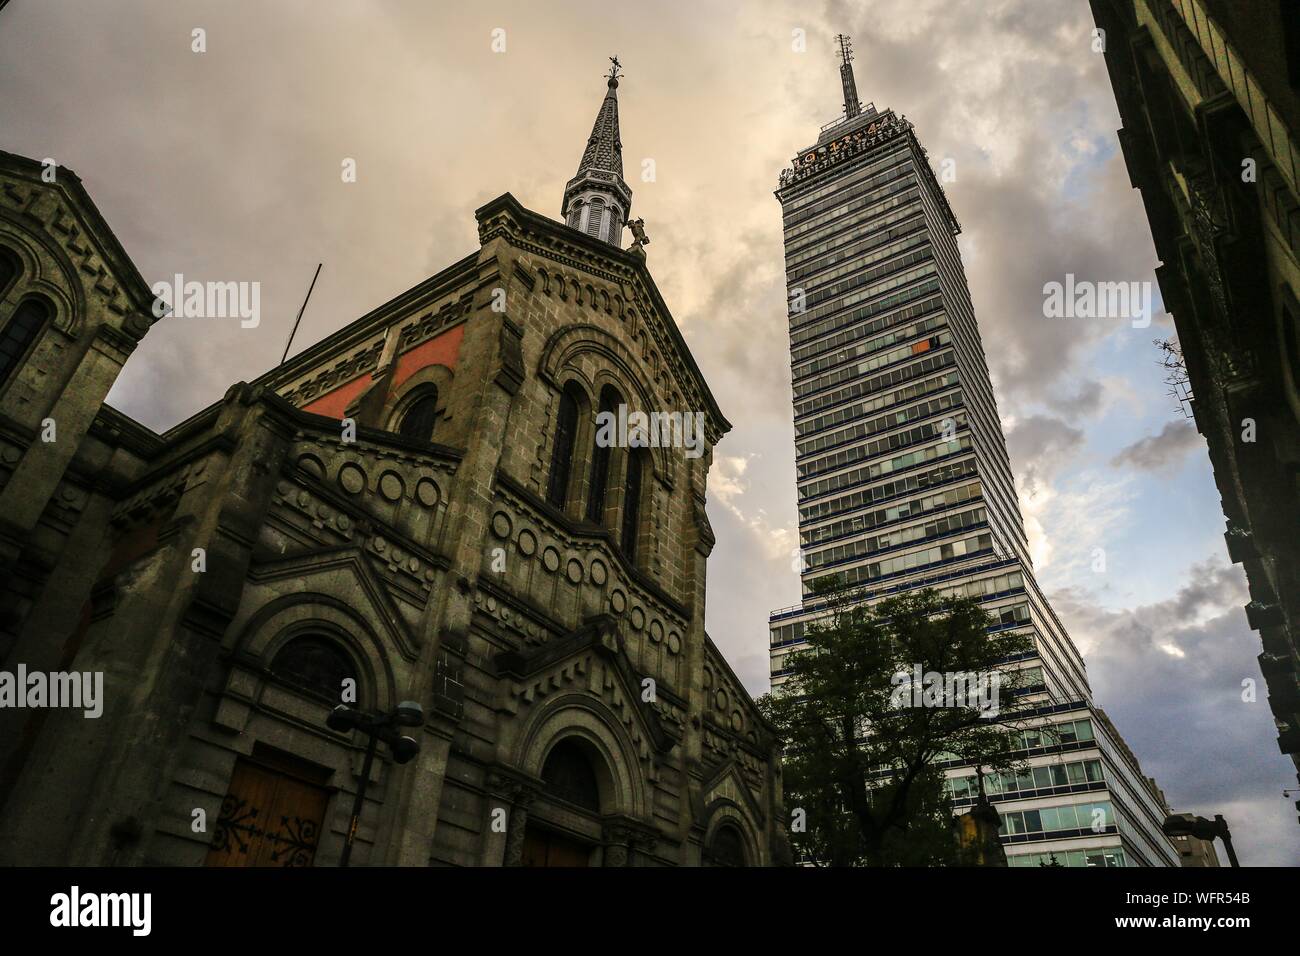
226 165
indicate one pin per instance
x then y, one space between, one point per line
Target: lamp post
1176 825
377 727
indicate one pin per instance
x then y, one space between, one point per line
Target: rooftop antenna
851 105
300 312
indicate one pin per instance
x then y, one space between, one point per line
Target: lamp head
404 749
409 714
343 718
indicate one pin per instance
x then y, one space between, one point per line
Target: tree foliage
861 754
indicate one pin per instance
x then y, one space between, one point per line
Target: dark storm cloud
1171 676
1085 401
1040 447
1166 449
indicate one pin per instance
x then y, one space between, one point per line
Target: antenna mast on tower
851 105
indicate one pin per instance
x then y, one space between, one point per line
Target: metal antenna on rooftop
300 312
851 105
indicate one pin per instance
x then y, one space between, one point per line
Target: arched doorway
727 848
571 782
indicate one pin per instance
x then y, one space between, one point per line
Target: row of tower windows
571 436
24 325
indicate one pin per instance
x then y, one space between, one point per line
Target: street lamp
1176 825
376 727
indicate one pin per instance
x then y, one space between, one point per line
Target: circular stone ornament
501 525
574 571
527 543
618 601
426 492
551 560
311 464
390 485
352 479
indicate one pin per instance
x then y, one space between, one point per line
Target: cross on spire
597 200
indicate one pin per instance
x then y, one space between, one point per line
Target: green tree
863 739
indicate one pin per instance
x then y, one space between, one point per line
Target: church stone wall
181 565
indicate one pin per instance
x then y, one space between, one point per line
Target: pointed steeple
851 105
597 200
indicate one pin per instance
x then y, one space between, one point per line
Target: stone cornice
854 149
357 333
74 194
574 529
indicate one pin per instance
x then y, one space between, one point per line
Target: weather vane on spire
615 68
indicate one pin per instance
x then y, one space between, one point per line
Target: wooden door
269 818
548 848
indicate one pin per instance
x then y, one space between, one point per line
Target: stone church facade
415 507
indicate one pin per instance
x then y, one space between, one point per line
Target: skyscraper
903 476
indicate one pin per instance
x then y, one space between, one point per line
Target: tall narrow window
418 421
8 269
19 333
575 215
566 433
632 503
600 457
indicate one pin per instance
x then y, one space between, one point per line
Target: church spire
851 105
597 200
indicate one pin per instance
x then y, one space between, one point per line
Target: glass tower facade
904 480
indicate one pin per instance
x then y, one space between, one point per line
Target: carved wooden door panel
268 818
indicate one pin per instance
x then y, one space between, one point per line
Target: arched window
9 269
316 664
632 502
615 225
600 458
575 215
418 421
568 774
726 849
566 436
20 333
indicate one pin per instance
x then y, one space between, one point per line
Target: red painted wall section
439 350
334 404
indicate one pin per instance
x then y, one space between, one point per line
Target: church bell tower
596 200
